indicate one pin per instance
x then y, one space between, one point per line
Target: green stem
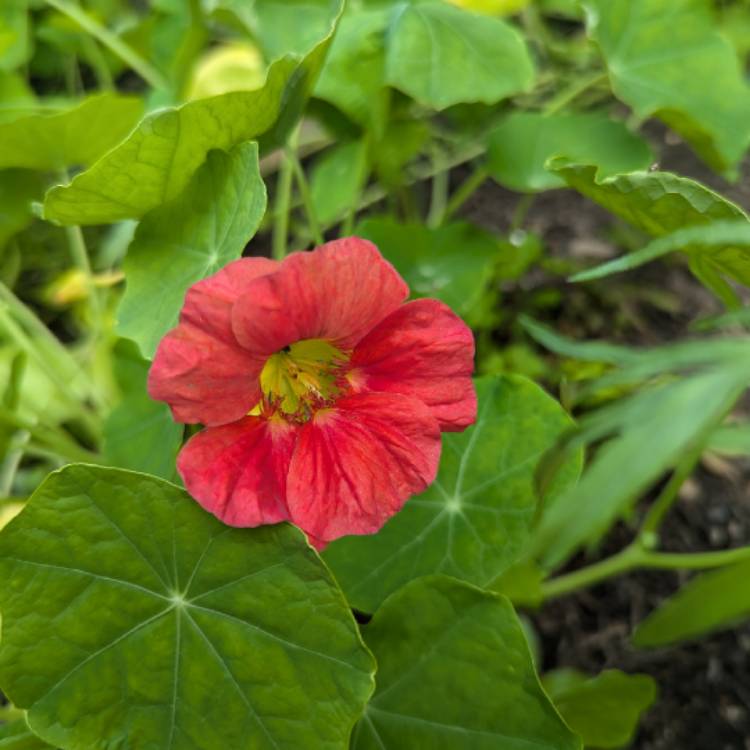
305 195
521 211
9 466
26 344
660 507
466 189
573 91
126 53
98 64
51 438
635 556
439 192
282 206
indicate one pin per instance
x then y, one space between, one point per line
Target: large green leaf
156 162
453 263
75 137
353 76
474 521
454 671
660 203
139 433
442 55
604 710
522 143
16 735
187 239
708 602
133 618
649 432
667 59
656 202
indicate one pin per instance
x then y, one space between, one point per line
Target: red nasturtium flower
323 393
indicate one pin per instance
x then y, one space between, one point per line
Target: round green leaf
178 244
473 522
442 55
454 671
522 143
453 262
668 59
132 618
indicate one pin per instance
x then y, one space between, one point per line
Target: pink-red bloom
322 390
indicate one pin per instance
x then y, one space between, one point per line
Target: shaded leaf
474 521
604 710
668 60
226 637
453 262
521 144
139 433
731 440
708 602
454 671
337 179
75 137
18 188
187 239
442 55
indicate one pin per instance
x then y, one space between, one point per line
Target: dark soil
704 685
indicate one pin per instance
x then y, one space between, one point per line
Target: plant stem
521 210
304 192
439 192
466 189
282 206
110 40
660 507
635 556
574 91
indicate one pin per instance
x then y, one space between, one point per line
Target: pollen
303 377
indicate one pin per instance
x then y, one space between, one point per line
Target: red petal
338 292
199 369
358 462
424 350
238 471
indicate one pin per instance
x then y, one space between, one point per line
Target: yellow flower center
302 376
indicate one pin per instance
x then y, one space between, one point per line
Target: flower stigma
301 378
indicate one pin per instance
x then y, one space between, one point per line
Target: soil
704 685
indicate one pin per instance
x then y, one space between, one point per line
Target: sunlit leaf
474 521
75 137
454 671
15 36
522 143
16 735
667 59
187 239
129 612
442 55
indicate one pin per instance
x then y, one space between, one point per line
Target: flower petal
357 463
423 350
338 292
238 471
199 369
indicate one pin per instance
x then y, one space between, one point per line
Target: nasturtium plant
475 520
339 339
161 627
